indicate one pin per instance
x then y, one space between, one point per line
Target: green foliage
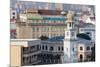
43 37
84 36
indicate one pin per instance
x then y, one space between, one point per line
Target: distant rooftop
24 39
61 38
83 25
25 42
50 12
57 38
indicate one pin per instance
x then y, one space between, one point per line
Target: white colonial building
76 48
72 47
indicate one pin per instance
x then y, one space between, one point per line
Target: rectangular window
37 29
70 24
13 17
73 49
25 48
33 29
62 48
59 48
88 48
46 48
37 47
42 47
67 33
72 34
81 48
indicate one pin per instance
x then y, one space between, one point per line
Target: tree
84 36
43 37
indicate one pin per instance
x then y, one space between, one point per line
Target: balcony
52 52
30 61
31 50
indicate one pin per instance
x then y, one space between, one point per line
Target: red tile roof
49 12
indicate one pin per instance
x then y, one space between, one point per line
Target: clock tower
69 40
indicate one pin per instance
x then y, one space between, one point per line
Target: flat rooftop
25 42
23 39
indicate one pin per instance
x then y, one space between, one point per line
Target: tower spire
69 18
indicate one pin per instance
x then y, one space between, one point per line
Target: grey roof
83 25
57 38
81 40
60 39
46 24
52 43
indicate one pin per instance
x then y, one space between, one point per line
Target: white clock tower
69 40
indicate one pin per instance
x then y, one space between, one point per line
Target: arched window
62 48
46 48
13 13
59 48
51 48
43 47
81 56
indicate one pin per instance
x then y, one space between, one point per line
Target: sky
42 5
